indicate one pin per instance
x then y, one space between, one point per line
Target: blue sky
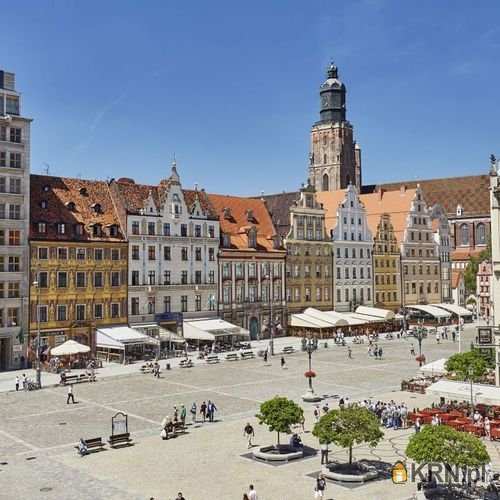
117 87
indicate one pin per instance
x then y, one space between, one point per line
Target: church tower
335 158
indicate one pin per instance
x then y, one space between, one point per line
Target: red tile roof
58 193
455 278
464 254
235 222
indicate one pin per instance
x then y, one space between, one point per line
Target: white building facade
353 245
173 244
15 153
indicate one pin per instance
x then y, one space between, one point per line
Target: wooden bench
120 439
247 355
147 369
186 363
76 379
288 349
179 427
232 357
212 359
95 444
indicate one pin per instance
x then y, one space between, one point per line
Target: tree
347 427
461 363
279 414
443 444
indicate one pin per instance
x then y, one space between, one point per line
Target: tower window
324 158
326 182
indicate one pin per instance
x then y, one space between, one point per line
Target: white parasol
68 348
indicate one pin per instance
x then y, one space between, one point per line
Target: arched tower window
324 159
480 234
464 235
326 182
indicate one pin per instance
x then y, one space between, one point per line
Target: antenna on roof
46 169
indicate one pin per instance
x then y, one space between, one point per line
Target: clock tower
335 158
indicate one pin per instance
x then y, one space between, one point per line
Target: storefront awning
211 329
375 312
453 308
435 367
306 321
460 391
120 336
433 311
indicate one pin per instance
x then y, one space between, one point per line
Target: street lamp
310 396
419 336
38 367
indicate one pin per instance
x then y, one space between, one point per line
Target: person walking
319 490
203 411
211 408
24 381
265 356
70 394
316 413
17 383
380 353
180 496
183 415
324 453
193 413
252 494
245 496
417 425
283 363
349 352
249 433
412 350
176 414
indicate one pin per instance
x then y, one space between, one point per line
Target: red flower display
309 374
420 359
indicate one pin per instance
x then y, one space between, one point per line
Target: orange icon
399 473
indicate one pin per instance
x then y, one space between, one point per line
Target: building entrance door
254 328
4 354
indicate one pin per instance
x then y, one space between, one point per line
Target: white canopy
319 319
375 312
118 337
435 367
210 329
453 308
68 348
434 311
485 394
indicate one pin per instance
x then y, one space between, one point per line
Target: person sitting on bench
295 442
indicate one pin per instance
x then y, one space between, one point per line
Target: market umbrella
68 348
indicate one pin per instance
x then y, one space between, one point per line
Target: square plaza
38 430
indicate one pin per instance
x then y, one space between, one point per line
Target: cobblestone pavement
38 430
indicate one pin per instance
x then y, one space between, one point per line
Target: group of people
375 351
391 415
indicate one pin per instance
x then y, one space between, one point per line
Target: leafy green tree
461 363
443 444
347 427
279 414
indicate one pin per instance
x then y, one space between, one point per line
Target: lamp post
419 335
38 367
310 396
471 374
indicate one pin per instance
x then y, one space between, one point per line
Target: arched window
324 159
326 182
480 234
464 235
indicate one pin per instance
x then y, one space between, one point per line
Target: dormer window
70 205
226 240
227 213
61 228
44 204
96 207
460 210
42 227
79 229
252 238
176 208
250 216
97 230
113 230
83 191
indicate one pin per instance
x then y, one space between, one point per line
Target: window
97 230
211 254
14 237
211 277
12 105
184 303
184 230
62 279
151 228
135 227
14 212
79 229
15 185
480 234
98 281
184 253
43 314
464 235
115 278
80 279
61 313
97 311
226 294
197 302
62 253
3 129
98 254
15 160
166 278
135 278
135 305
151 277
197 232
346 295
151 252
167 304
43 279
115 309
3 159
197 253
211 231
339 299
13 290
166 229
15 134
184 277
43 253
61 228
338 273
226 270
42 227
14 265
115 254
346 273
80 312
318 294
166 253
197 277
